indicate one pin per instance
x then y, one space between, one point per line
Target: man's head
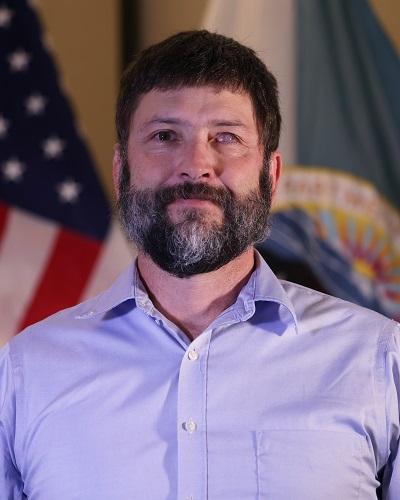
198 123
198 59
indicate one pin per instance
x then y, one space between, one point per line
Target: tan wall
388 11
161 18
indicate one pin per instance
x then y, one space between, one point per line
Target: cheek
243 176
147 171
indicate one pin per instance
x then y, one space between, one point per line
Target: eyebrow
228 123
162 121
178 121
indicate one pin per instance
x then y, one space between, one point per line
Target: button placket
191 422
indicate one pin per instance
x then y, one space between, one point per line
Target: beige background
85 37
161 18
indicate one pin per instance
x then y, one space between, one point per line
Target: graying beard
195 244
193 241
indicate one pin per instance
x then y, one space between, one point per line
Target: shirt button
193 355
190 426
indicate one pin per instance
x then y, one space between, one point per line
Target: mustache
188 190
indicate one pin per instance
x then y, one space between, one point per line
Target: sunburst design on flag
345 231
374 260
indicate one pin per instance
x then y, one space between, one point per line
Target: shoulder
58 339
55 324
318 312
48 357
77 322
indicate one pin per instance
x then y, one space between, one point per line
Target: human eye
164 136
227 138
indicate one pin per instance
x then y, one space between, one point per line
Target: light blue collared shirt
288 395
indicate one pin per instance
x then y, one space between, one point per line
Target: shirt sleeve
10 481
391 480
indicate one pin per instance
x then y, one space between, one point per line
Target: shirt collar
263 286
120 291
267 288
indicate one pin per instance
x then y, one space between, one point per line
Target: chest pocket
311 465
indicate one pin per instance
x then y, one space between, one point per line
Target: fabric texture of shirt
288 395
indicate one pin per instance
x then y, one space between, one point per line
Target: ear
275 168
116 168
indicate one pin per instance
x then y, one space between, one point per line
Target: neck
193 303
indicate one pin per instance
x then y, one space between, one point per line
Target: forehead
195 104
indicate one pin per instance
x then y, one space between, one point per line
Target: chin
178 215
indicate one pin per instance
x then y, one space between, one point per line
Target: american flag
58 242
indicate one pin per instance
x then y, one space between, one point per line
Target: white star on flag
4 125
19 60
13 170
53 147
35 104
5 16
68 191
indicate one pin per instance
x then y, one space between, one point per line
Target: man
198 374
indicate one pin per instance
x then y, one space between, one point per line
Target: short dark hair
199 58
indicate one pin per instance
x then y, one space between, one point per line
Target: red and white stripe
45 268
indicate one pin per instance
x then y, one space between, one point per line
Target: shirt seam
13 390
7 355
205 410
383 349
16 366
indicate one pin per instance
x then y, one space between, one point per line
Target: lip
192 202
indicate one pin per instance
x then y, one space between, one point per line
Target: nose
199 162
